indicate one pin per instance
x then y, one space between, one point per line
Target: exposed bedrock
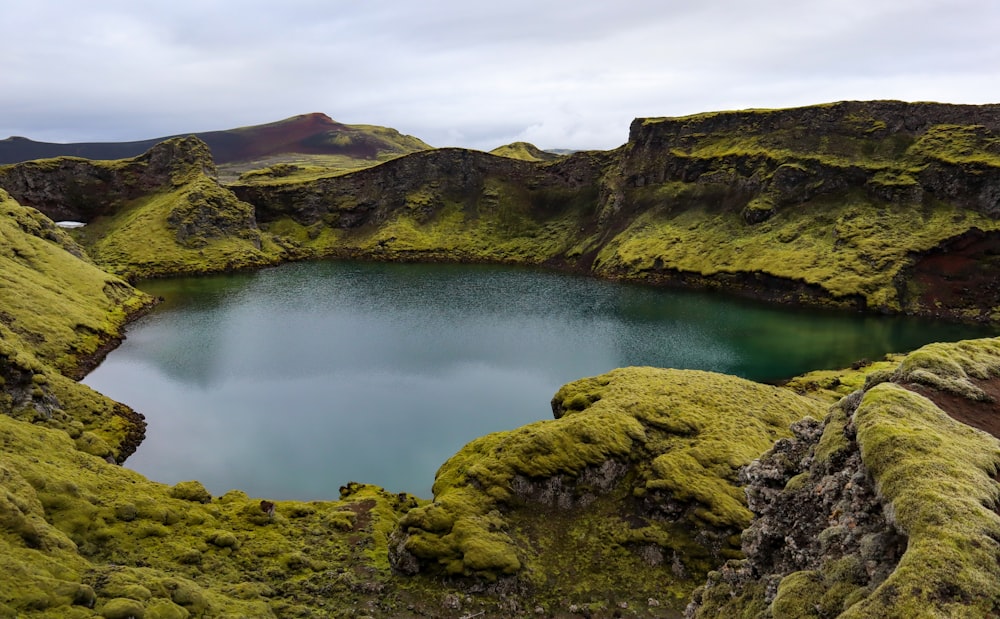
887 509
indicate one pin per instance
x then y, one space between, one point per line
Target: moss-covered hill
649 488
162 212
524 151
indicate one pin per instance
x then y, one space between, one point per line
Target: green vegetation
523 151
83 538
831 385
56 303
538 500
950 367
937 476
296 168
197 227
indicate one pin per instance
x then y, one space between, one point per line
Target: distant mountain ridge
315 134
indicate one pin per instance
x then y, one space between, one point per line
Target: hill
524 151
307 134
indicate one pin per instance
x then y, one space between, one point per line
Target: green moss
832 385
123 608
524 152
190 491
959 144
952 367
798 596
845 246
526 501
936 475
57 304
196 227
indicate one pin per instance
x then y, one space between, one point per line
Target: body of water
289 382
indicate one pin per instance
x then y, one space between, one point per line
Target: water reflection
291 381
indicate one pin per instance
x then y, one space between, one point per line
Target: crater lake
289 382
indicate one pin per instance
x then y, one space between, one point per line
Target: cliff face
853 200
884 206
894 151
162 212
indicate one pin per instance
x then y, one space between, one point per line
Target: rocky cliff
890 205
883 206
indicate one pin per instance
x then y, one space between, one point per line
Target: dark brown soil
960 273
982 415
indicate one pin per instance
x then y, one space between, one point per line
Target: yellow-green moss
170 231
73 526
679 435
58 305
846 246
523 151
937 478
832 385
952 367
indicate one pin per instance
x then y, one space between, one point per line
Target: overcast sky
560 74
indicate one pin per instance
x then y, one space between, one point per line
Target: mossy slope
157 214
836 201
629 494
80 538
524 151
58 312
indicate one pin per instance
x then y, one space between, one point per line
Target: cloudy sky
558 73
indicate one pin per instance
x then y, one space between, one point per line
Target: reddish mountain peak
316 121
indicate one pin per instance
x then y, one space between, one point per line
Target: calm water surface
289 382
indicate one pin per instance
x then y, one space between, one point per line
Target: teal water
289 382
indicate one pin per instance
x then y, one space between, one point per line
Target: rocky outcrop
83 190
171 188
819 515
864 515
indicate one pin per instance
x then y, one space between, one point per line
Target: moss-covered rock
159 213
524 151
889 511
629 493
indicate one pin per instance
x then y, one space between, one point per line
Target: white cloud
555 72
